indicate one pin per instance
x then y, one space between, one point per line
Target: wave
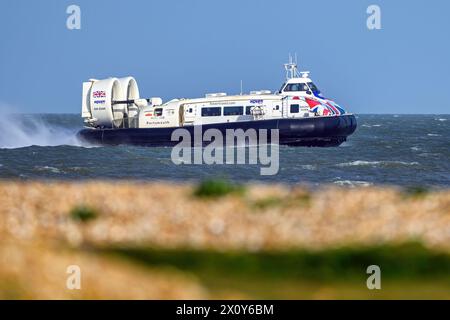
47 169
371 125
376 163
18 131
353 184
308 167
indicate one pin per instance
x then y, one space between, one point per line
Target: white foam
352 184
370 126
308 167
358 163
47 168
375 163
17 131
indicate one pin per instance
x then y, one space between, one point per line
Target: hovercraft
114 114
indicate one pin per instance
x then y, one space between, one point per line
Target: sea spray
23 130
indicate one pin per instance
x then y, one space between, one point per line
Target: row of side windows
237 111
227 111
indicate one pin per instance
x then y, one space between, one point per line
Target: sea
398 150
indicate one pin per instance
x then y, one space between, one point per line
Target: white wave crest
48 169
308 167
352 184
371 125
376 163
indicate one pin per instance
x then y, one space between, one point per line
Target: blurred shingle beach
167 240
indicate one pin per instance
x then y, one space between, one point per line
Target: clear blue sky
186 48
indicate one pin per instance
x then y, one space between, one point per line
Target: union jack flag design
99 94
324 106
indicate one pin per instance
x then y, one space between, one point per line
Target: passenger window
295 108
233 111
158 112
211 112
248 110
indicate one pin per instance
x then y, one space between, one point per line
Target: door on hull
189 114
276 109
181 115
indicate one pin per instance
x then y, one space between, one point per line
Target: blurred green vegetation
416 192
83 213
287 274
216 188
297 200
268 203
402 261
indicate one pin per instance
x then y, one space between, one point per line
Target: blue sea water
403 150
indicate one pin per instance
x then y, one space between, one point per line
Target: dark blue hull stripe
315 131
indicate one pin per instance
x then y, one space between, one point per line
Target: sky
187 48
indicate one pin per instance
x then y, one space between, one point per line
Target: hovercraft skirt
313 132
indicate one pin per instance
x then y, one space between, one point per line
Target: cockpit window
296 87
313 87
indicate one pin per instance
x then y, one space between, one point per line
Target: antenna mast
291 68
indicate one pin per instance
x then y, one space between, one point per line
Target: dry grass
39 272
